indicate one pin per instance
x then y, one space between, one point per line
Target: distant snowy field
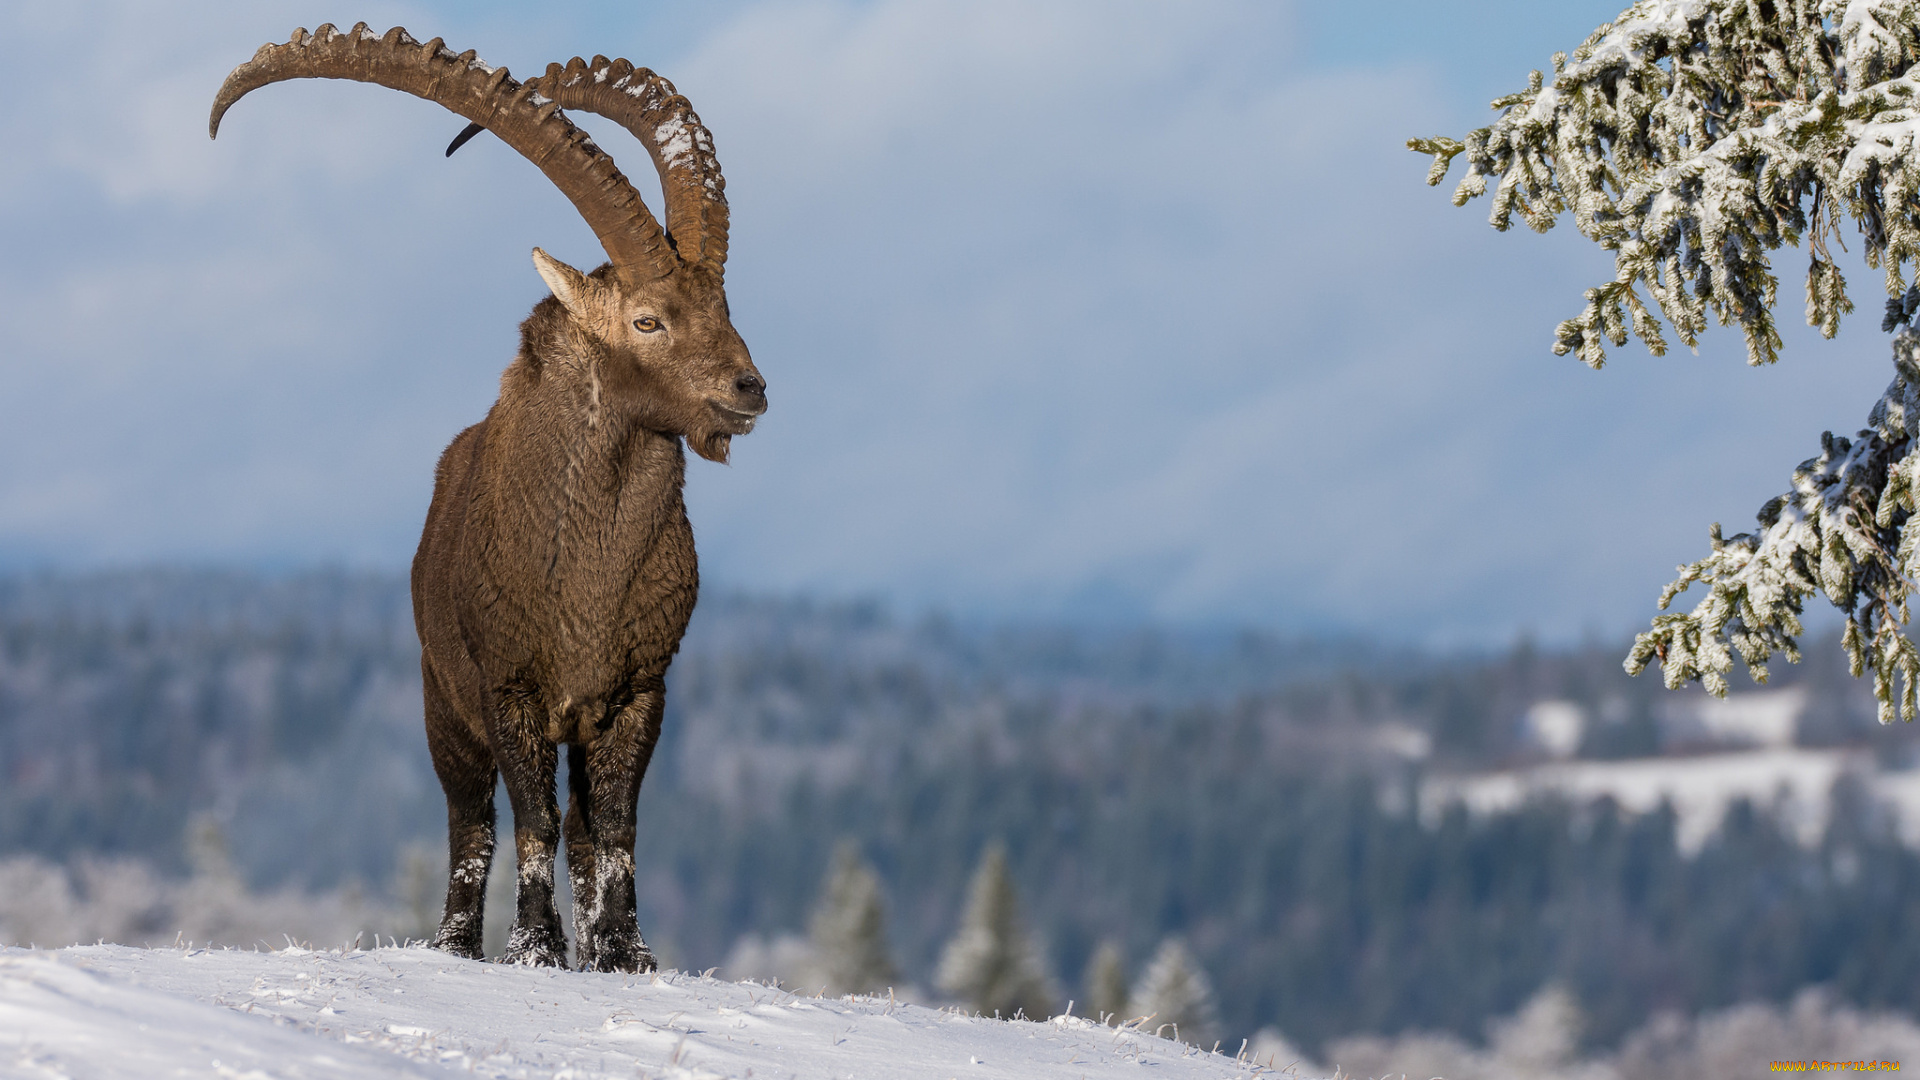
116 1011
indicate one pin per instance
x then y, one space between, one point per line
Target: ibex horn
525 119
647 105
466 134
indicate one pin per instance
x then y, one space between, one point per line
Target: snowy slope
115 1011
1793 782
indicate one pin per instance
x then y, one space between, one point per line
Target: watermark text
1835 1066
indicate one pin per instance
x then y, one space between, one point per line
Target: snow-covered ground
1793 782
115 1011
1756 760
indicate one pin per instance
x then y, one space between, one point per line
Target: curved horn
648 106
525 119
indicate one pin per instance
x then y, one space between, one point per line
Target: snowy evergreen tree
849 928
1107 985
1177 994
1543 1038
991 964
1691 138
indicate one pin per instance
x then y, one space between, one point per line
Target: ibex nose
749 394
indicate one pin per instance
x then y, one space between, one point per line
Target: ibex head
655 316
663 351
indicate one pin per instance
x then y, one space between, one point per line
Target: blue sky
1087 308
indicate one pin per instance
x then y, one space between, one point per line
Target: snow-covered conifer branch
1692 138
1841 531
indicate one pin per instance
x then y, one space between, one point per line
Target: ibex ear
569 285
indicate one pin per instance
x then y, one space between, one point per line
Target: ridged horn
520 115
650 108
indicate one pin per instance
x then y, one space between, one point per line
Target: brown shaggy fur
554 579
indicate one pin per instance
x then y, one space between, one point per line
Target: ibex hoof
536 948
458 937
619 952
465 950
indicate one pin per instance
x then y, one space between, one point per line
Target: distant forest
1248 791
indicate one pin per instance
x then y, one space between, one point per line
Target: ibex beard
556 572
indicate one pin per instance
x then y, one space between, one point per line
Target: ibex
556 572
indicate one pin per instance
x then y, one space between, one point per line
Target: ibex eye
646 324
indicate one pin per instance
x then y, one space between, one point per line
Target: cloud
1127 276
1067 307
202 329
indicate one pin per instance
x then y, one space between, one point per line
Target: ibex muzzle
556 573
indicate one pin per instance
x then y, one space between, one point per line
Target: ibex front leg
527 763
579 830
616 760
